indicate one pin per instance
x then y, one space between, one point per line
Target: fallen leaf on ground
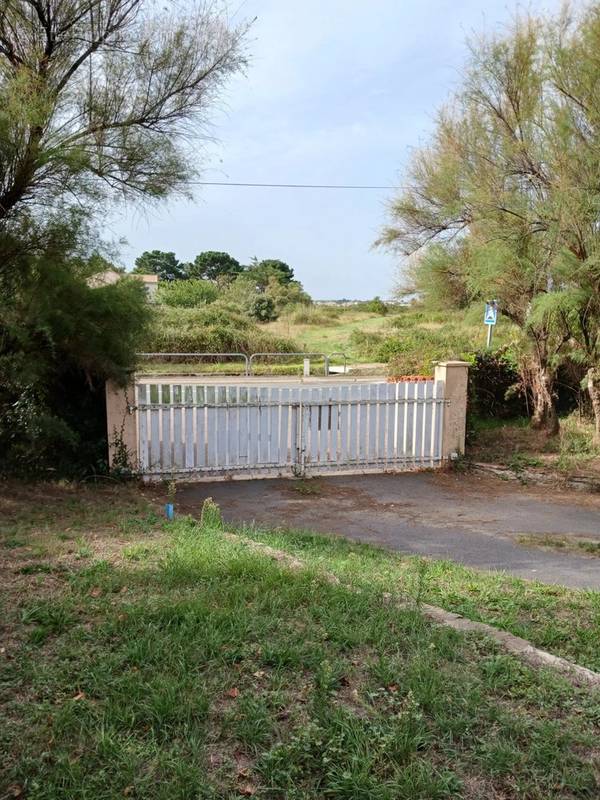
233 692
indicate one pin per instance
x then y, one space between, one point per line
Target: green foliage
501 203
413 351
60 339
165 265
262 272
440 276
187 294
216 328
286 295
107 110
212 265
210 515
244 297
495 386
376 306
263 309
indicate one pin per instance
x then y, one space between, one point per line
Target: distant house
111 276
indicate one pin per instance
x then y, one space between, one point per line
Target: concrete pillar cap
453 364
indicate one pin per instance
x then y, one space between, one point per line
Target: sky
337 91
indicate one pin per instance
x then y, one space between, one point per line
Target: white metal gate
207 430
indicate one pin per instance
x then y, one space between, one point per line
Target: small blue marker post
169 511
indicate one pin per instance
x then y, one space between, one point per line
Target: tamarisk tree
101 101
507 192
104 97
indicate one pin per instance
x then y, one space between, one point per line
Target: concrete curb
521 648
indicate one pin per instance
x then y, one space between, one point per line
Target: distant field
330 336
411 336
416 332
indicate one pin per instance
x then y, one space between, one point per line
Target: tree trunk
594 392
544 416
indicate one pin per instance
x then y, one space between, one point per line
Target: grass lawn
563 621
150 660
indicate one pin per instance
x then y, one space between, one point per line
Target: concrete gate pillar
121 425
454 377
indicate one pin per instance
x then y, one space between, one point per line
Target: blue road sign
491 314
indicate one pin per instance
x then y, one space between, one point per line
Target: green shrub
367 344
60 340
495 386
376 306
412 350
243 296
187 294
217 328
287 295
263 309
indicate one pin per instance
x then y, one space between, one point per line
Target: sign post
490 319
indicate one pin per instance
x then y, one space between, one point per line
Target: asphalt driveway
472 520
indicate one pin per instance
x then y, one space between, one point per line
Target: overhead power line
294 185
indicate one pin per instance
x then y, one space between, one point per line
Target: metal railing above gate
249 361
241 356
324 356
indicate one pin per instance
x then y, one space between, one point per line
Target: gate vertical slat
419 418
438 393
427 427
398 416
394 422
142 426
284 421
372 424
325 424
296 442
363 424
211 428
166 440
201 427
344 423
263 455
154 428
221 400
233 427
188 395
253 452
408 452
354 395
382 453
335 417
313 427
243 435
274 410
